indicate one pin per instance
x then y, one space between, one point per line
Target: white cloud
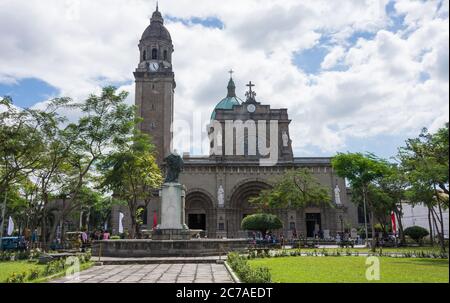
382 92
333 57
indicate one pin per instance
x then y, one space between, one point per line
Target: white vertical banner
10 226
120 223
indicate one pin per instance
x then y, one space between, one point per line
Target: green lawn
353 269
385 250
7 268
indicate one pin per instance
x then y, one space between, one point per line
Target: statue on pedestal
174 165
337 195
221 196
285 138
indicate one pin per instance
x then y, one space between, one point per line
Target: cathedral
240 165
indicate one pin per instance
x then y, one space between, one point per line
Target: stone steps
158 260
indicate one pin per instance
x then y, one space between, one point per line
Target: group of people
268 237
85 237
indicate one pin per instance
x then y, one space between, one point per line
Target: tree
361 170
417 233
21 143
426 165
132 174
261 222
100 211
106 125
394 184
295 189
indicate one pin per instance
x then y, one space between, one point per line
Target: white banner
120 223
10 226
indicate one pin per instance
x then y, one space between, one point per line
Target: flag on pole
394 223
155 219
10 226
120 223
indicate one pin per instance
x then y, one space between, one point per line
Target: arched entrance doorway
200 212
240 207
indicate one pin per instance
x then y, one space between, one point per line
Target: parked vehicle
13 243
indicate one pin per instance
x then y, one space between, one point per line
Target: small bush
417 233
16 278
246 273
5 256
33 274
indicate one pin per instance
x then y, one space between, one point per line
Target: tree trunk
431 227
441 223
439 234
44 228
442 228
372 223
401 235
132 208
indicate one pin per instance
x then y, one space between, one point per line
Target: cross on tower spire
231 71
250 94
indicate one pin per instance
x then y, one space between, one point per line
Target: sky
354 75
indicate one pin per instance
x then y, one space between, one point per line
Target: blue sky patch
397 21
384 146
212 22
363 35
309 60
29 91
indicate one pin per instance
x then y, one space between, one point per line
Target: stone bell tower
155 84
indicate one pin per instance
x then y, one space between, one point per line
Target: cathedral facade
250 147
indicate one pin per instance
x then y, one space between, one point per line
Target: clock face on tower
154 66
251 108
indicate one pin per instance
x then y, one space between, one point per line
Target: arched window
165 55
154 54
144 56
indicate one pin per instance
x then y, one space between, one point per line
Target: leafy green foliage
261 222
359 169
132 174
50 159
425 162
296 188
245 272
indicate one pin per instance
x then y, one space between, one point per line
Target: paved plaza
153 273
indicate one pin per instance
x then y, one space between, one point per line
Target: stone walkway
153 273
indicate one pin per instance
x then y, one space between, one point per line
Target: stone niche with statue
171 237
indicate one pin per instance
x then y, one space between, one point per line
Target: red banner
393 223
155 219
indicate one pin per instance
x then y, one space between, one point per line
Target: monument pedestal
172 225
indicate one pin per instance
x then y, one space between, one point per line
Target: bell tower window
154 54
165 55
144 56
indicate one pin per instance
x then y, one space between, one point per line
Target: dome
229 101
156 29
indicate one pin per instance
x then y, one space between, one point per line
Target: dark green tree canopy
417 233
261 222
